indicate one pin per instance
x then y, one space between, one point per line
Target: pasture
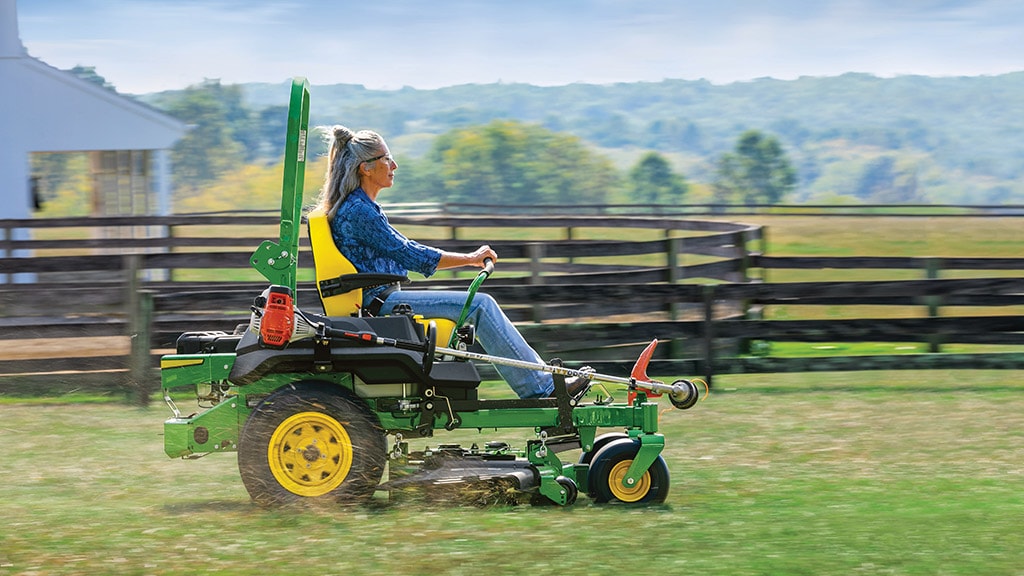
903 472
823 473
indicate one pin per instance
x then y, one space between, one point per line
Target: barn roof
43 109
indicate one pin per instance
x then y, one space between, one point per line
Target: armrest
349 282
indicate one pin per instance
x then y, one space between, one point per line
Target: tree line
850 139
501 162
853 138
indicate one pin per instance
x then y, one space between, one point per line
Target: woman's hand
478 256
475 258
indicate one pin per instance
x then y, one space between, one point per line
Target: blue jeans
496 333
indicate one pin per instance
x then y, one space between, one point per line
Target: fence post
673 249
744 256
933 267
130 265
139 313
708 294
747 311
140 368
764 252
536 252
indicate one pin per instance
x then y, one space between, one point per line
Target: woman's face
379 172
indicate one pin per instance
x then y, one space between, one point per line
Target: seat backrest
330 263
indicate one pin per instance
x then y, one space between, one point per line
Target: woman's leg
494 330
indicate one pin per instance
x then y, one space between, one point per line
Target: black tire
311 441
609 466
571 490
567 484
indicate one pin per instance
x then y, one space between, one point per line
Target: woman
359 166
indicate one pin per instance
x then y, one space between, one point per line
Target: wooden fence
94 302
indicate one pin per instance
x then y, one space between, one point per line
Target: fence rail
696 285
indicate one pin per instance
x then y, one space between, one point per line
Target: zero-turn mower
309 400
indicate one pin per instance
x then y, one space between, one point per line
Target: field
875 473
910 473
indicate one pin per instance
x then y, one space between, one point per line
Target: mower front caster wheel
568 485
610 465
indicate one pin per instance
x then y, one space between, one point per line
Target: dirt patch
37 348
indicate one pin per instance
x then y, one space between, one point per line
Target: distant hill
853 137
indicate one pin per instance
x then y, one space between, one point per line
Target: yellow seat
331 265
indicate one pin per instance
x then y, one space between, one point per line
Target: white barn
43 109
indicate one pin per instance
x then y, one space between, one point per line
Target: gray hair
346 151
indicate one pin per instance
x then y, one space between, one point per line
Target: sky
143 46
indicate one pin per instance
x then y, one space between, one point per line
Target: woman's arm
475 258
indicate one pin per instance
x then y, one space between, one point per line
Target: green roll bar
279 261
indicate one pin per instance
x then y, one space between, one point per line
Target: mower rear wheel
609 467
311 441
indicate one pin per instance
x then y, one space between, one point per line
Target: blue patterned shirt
363 235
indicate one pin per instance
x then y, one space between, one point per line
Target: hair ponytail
342 135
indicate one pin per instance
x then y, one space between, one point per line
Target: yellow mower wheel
311 441
621 492
310 454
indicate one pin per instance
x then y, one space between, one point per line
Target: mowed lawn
824 473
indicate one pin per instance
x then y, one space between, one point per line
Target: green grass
845 473
891 236
910 472
825 349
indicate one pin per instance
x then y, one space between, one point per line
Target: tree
507 162
612 130
419 180
272 126
654 182
756 172
209 149
673 134
89 74
242 122
882 181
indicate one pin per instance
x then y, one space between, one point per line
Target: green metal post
279 261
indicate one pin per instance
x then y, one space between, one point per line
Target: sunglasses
381 157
